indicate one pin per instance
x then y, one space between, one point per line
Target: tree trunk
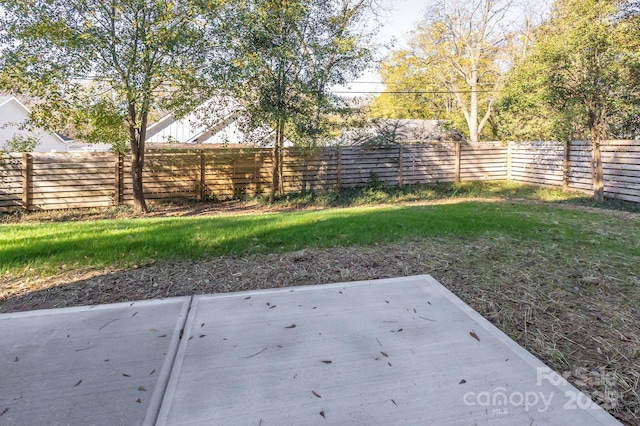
275 173
137 139
596 159
474 134
139 203
596 170
281 163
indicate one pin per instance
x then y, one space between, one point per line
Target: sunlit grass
49 249
381 193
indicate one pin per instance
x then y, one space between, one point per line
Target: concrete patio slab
99 365
400 351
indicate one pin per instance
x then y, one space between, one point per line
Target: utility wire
391 83
429 92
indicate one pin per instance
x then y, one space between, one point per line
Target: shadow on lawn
104 244
123 245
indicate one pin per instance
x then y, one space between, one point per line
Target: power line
391 83
429 92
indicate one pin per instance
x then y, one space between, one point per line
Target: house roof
394 131
419 130
4 99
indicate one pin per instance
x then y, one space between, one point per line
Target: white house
89 147
217 122
12 115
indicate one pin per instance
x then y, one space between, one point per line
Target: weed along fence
69 180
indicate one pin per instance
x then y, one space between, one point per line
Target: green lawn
51 248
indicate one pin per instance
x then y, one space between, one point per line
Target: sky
397 23
401 18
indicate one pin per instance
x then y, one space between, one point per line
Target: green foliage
130 48
380 192
579 79
22 143
405 78
96 118
143 53
286 55
456 60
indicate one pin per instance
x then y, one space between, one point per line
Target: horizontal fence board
78 184
70 173
630 167
65 195
10 198
4 195
539 181
629 180
579 186
632 198
75 178
71 205
55 165
61 180
527 158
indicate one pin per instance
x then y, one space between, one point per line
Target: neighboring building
218 124
383 132
13 114
89 147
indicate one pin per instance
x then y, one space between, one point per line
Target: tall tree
411 92
287 54
145 53
579 80
460 51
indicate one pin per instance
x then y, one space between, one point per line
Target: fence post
27 171
117 196
458 154
509 153
400 166
201 184
566 166
339 168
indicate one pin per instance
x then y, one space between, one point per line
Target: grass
380 193
375 194
30 249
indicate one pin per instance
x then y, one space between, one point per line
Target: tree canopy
136 55
286 55
455 62
579 80
103 67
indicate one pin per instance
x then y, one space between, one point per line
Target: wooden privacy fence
72 180
569 165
